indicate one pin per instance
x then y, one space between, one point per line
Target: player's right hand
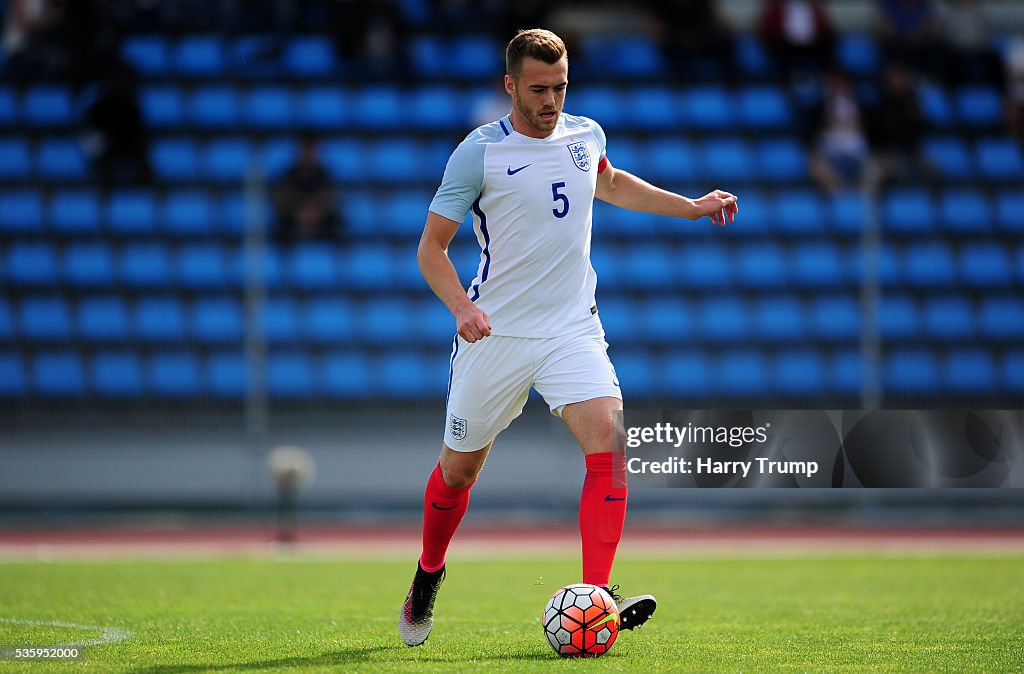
473 324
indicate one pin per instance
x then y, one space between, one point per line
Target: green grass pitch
815 614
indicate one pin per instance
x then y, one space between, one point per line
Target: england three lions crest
580 155
457 427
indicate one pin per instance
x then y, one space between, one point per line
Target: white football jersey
532 200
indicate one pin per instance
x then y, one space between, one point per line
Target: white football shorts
491 379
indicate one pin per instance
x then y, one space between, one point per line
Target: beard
533 116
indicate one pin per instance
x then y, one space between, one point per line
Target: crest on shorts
580 154
457 426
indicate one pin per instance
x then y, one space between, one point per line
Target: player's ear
510 85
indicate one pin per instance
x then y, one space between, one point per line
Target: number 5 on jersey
557 196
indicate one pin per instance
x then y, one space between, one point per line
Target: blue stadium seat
324 108
402 214
226 160
60 159
1009 211
278 155
835 318
683 374
970 371
757 216
267 107
474 56
741 373
102 319
47 106
898 317
936 106
231 215
309 56
702 266
159 319
271 267
281 320
8 107
409 375
928 264
31 264
44 318
781 159
116 374
661 109
162 107
761 266
911 371
436 107
764 107
226 374
668 159
985 264
131 213
175 159
332 320
58 373
751 57
21 212
649 266
1012 371
346 374
368 268
217 319
724 319
617 317
434 325
999 159
344 159
75 212
799 372
816 265
187 214
173 374
908 211
290 374
393 160
198 56
1002 318
378 106
979 106
214 107
89 265
709 107
428 55
384 316
727 160
146 53
949 318
965 211
254 56
600 102
845 212
12 375
845 375
950 155
665 321
144 265
778 318
632 56
15 158
856 53
200 266
799 212
6 320
312 267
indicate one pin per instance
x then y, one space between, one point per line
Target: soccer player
529 318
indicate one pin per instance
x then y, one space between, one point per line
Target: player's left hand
719 205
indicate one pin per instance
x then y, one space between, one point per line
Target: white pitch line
109 635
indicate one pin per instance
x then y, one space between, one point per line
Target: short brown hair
537 43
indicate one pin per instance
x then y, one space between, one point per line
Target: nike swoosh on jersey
434 503
512 172
609 497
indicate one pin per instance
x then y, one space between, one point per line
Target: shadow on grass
344 656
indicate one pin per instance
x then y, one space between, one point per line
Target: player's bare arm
623 189
437 269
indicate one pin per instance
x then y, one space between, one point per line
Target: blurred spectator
114 136
897 128
799 35
968 35
1014 62
909 31
32 40
373 36
840 154
304 200
695 36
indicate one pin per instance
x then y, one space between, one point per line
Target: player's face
538 95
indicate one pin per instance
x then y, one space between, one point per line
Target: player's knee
459 475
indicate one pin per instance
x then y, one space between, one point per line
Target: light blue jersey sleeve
598 132
463 179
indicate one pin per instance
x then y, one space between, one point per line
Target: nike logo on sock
434 503
609 497
513 172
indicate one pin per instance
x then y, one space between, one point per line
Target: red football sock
443 508
602 515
